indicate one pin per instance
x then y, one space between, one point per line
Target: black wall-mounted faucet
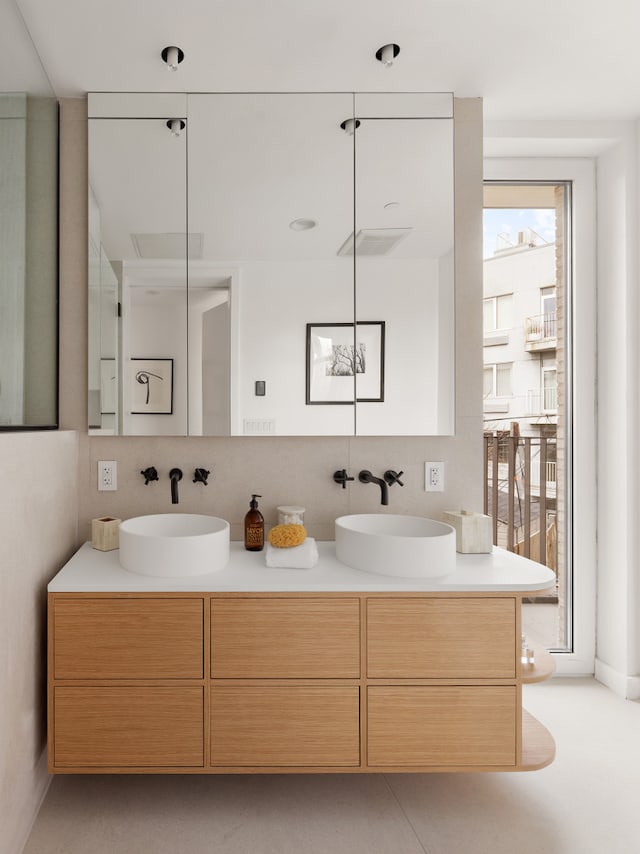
365 476
392 477
175 475
149 474
342 477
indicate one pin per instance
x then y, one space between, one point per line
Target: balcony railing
541 331
520 495
542 401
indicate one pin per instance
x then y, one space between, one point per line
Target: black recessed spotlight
173 56
387 53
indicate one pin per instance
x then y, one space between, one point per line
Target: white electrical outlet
107 475
434 477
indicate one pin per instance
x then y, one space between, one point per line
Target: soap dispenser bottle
254 527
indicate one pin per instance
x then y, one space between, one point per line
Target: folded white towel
304 556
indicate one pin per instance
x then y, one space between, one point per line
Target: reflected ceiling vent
374 241
167 246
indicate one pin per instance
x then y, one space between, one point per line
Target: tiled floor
586 802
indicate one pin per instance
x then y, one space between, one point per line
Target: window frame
580 378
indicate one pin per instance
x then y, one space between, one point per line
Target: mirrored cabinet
271 264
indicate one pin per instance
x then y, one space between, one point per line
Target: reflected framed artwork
344 363
151 386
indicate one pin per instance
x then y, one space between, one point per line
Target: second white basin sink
172 545
407 546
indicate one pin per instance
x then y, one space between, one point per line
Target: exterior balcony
540 332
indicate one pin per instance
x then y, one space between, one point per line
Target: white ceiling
550 59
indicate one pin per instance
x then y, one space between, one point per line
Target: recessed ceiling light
387 53
350 125
173 56
176 126
302 224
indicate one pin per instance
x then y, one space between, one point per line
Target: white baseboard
621 684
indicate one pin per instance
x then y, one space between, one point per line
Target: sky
511 221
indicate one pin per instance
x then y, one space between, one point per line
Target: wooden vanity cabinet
290 682
126 682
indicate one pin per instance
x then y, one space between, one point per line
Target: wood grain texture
538 746
155 638
285 725
441 638
128 726
285 638
442 726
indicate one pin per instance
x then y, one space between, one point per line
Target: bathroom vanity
257 670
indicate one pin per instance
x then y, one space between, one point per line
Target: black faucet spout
365 476
175 475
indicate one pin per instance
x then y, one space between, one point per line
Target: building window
497 380
498 313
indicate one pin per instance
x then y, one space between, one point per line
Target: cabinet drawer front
128 639
448 726
285 725
285 638
441 638
125 727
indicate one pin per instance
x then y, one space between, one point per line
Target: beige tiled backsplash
284 471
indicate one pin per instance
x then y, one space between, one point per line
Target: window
517 192
498 313
497 380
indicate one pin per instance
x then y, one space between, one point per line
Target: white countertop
93 571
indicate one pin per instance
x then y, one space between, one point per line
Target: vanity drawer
128 638
440 638
293 638
128 726
442 726
297 725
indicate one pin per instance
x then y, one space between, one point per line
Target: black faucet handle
342 477
149 474
201 475
392 477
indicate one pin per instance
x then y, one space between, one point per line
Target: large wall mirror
28 237
271 264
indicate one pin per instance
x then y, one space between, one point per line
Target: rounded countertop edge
94 571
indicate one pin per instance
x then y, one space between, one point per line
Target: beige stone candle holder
105 533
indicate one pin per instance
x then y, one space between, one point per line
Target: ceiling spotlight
349 126
176 126
387 53
172 55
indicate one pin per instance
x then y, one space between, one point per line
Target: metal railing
520 494
541 327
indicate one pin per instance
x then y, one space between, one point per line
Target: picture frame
342 365
108 386
151 386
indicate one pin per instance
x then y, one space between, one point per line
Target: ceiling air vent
374 241
167 246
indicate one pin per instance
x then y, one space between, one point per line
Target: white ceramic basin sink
408 546
171 545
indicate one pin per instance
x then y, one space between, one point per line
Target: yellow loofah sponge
286 536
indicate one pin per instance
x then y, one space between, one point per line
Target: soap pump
254 527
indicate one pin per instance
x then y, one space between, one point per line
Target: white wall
618 617
38 532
